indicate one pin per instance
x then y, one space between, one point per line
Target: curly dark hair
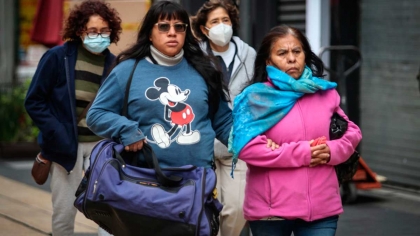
200 18
79 17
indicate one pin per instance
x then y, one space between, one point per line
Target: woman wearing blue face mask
215 23
62 89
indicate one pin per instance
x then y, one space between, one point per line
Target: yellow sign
27 11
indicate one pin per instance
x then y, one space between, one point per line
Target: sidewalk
26 210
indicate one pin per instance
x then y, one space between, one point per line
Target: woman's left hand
134 147
320 154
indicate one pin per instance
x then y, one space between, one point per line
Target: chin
171 53
294 76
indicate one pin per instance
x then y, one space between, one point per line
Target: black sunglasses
165 27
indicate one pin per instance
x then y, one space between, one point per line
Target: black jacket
51 103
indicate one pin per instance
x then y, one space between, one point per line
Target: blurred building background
381 95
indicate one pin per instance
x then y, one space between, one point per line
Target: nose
291 57
172 31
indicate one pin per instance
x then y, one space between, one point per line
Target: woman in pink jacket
293 188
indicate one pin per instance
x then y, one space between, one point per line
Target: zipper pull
94 186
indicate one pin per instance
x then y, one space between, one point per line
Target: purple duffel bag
130 200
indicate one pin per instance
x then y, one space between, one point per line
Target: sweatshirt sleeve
222 122
341 149
295 154
104 117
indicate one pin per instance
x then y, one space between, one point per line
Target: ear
204 30
80 35
268 62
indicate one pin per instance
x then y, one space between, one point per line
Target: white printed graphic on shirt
177 113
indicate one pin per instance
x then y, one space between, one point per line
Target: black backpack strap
127 89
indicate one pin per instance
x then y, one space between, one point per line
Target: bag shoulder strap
127 89
149 155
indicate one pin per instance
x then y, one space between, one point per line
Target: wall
7 42
390 99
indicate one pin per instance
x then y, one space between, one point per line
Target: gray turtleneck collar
164 60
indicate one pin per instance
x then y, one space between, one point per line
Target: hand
320 154
271 144
134 147
318 141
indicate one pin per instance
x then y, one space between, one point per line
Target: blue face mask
96 45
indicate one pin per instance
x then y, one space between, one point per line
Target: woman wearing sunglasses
176 101
215 23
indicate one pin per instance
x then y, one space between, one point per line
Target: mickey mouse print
176 112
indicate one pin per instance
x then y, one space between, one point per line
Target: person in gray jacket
214 25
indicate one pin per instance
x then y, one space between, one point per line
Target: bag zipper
147 182
91 167
203 184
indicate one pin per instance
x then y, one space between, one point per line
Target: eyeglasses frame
172 25
97 34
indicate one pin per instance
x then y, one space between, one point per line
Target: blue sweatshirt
167 106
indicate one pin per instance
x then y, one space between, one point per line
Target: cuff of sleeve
333 154
307 158
132 137
44 154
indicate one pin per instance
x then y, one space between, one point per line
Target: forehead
96 22
286 42
169 17
219 12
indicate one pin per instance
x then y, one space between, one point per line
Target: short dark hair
79 17
200 18
192 52
264 52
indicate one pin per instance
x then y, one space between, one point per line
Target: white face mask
220 34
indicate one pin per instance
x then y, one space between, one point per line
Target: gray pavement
382 212
25 208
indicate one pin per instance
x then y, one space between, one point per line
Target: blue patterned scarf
260 106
